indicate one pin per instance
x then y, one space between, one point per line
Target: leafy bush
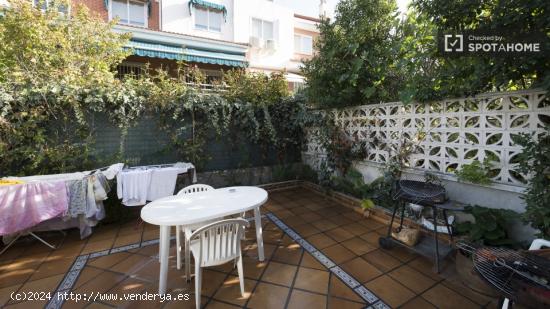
56 75
489 226
475 172
534 162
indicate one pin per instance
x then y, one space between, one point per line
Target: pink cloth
25 205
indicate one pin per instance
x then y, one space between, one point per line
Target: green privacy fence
145 143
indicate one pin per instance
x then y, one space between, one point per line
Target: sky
311 7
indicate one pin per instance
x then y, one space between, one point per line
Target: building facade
215 35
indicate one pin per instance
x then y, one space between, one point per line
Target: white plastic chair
215 244
535 245
192 189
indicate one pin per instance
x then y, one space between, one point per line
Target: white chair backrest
219 242
195 189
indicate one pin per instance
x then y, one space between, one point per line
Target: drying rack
28 232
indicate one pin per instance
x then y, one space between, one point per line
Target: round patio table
199 207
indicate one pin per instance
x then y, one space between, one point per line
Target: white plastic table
199 207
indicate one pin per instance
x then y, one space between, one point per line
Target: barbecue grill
522 277
414 189
420 192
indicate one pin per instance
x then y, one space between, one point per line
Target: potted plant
367 205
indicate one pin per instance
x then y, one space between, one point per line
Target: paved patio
319 254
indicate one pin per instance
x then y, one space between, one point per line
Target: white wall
238 28
176 18
283 19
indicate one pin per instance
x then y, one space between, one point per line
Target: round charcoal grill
520 276
421 192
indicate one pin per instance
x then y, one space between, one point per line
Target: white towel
163 182
132 186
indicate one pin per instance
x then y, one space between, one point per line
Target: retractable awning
173 52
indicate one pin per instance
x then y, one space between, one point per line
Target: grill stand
427 247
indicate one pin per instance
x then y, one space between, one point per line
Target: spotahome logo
491 43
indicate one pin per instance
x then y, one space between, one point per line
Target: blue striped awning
163 51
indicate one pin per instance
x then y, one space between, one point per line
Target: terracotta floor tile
382 260
106 262
98 306
324 225
306 230
48 284
127 240
98 246
358 246
302 299
294 221
309 261
87 274
443 297
425 266
390 291
356 229
283 214
268 296
53 267
371 238
288 254
129 285
321 241
100 284
252 251
361 269
230 291
16 276
310 217
5 293
312 280
212 280
131 264
272 237
412 279
219 305
279 273
253 268
341 220
338 254
339 303
372 224
401 253
339 234
454 284
418 303
28 304
339 289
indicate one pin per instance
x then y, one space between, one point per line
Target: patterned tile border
70 278
72 275
374 301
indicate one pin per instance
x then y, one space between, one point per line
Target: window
208 19
262 29
129 69
43 4
303 44
129 12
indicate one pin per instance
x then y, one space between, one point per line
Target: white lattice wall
458 131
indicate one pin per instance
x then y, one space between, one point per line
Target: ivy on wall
56 73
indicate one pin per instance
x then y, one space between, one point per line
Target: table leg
259 238
164 252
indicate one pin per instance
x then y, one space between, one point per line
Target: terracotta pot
469 277
359 210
